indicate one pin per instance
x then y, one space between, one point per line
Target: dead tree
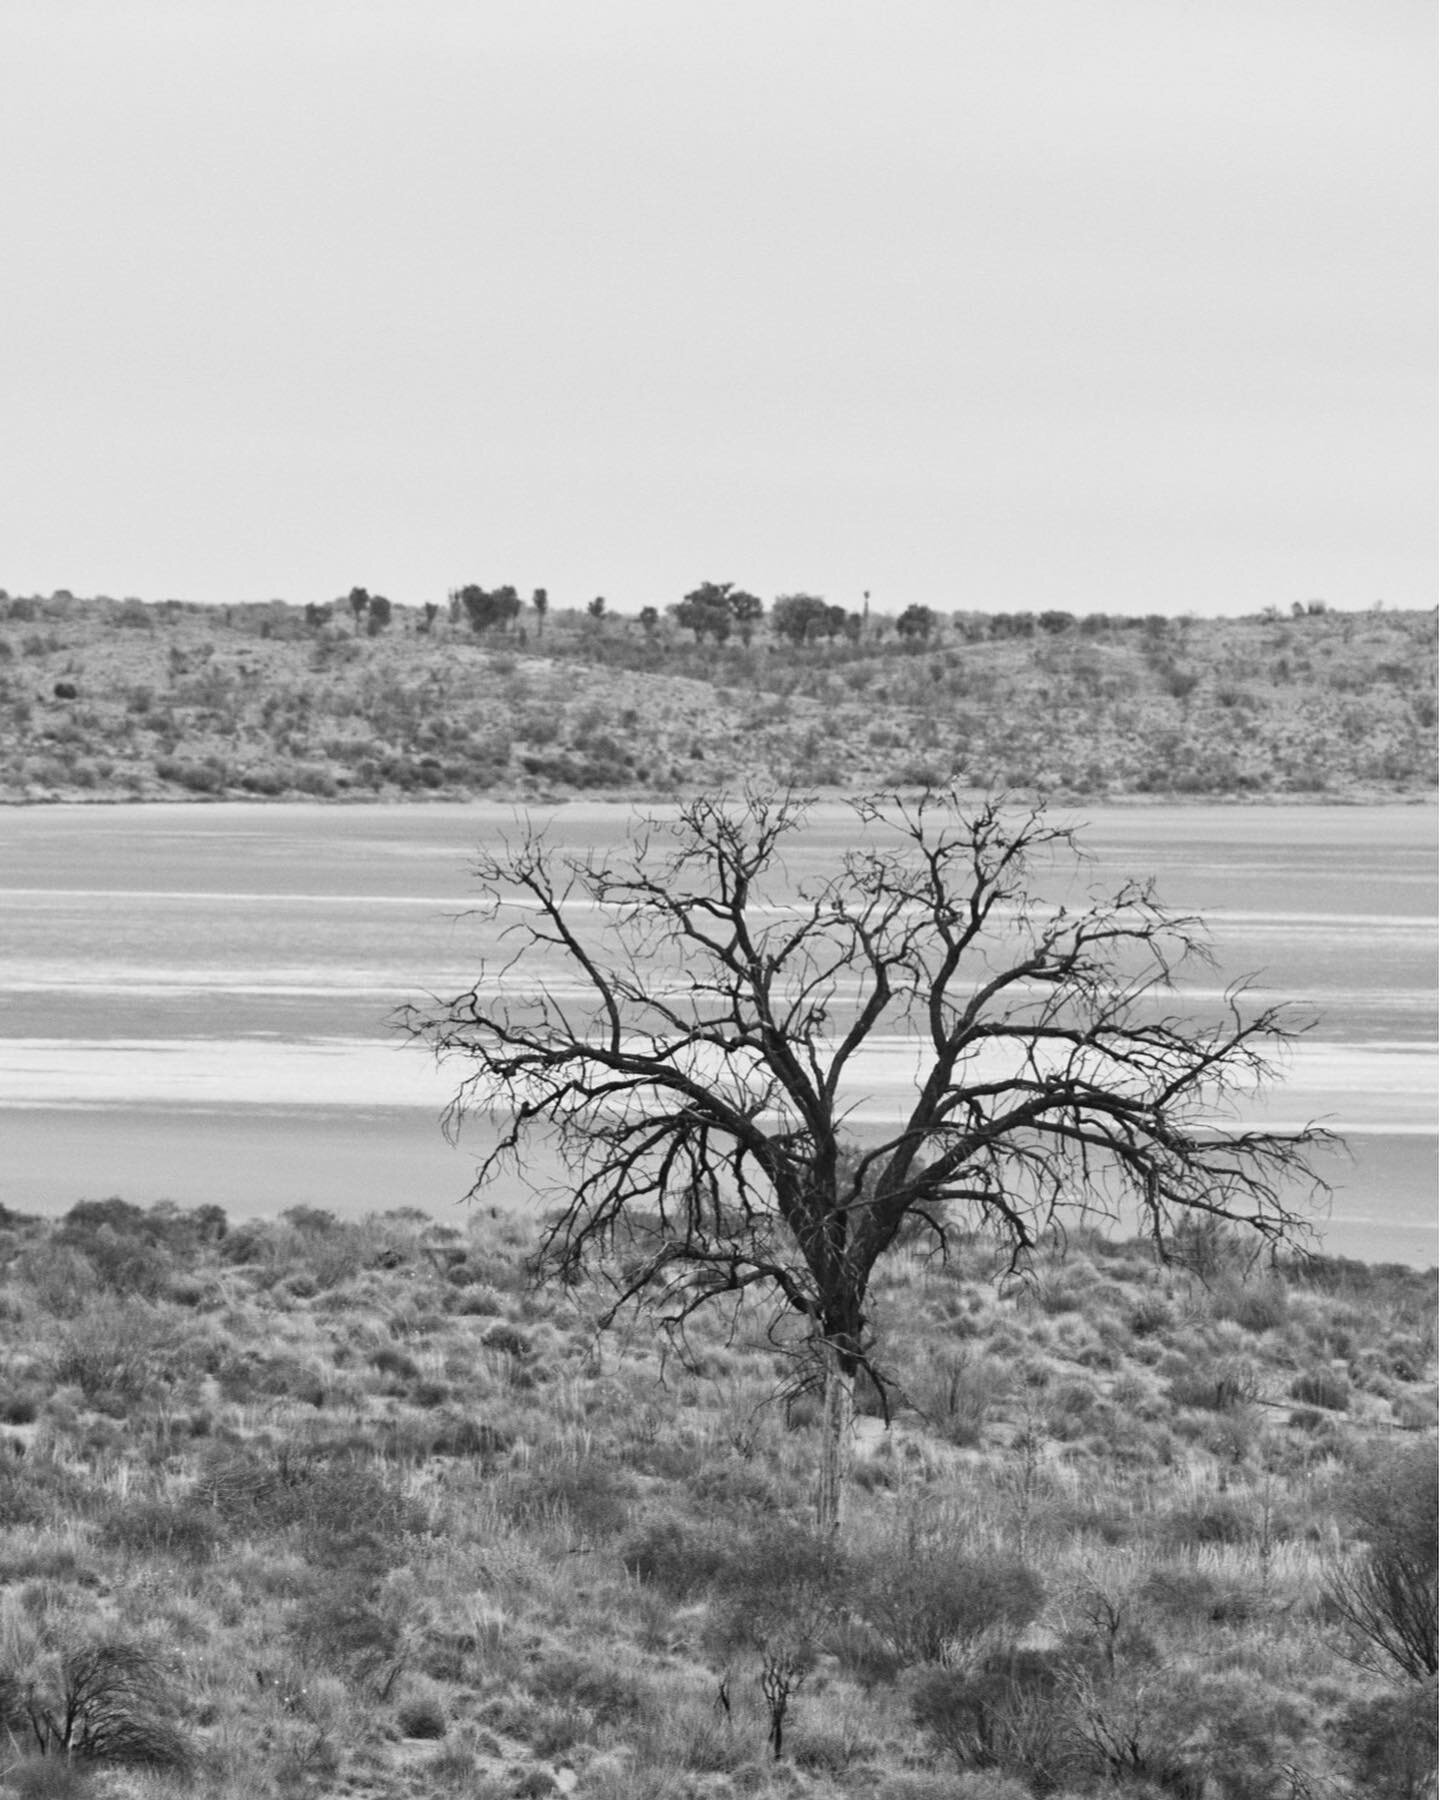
688 1022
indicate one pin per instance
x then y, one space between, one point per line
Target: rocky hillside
115 700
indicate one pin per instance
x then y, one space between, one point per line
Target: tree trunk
837 1429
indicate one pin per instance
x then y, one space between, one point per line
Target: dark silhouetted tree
487 608
799 617
916 623
698 1067
747 610
705 610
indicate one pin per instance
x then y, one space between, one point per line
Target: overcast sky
1118 305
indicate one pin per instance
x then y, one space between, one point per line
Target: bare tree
699 1067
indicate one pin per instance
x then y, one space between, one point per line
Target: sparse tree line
715 612
720 687
718 611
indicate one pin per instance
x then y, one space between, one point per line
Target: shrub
1189 1595
1263 1306
958 1392
469 1437
1151 1316
778 1583
1231 1383
422 1718
341 1623
1389 1743
680 1559
61 1279
922 1604
47 1778
507 1340
345 1511
117 1352
986 1785
1388 1596
1000 1714
208 776
131 1250
1218 1520
162 1527
608 1694
582 1494
266 780
1321 1387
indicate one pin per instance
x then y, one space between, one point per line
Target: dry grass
353 1547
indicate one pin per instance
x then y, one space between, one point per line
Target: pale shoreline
649 797
258 1161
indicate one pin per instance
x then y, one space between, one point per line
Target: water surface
194 1000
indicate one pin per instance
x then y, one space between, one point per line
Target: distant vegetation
309 1508
491 693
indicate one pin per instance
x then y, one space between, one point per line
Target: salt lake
194 1000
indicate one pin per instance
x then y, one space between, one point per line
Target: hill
115 700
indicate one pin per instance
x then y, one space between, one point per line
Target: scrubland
117 700
304 1507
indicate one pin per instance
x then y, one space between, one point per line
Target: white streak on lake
1389 1087
193 1000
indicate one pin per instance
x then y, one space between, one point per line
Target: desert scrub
573 1494
1323 1388
374 1550
118 1352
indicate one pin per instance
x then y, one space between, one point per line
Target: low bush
610 1695
1321 1387
1186 1595
162 1528
1228 1383
1389 1742
208 775
423 1717
680 1559
580 1494
341 1624
1218 1520
1254 1306
118 1352
999 1714
779 1583
1151 1316
927 1603
1389 1595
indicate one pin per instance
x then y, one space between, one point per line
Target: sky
1105 305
